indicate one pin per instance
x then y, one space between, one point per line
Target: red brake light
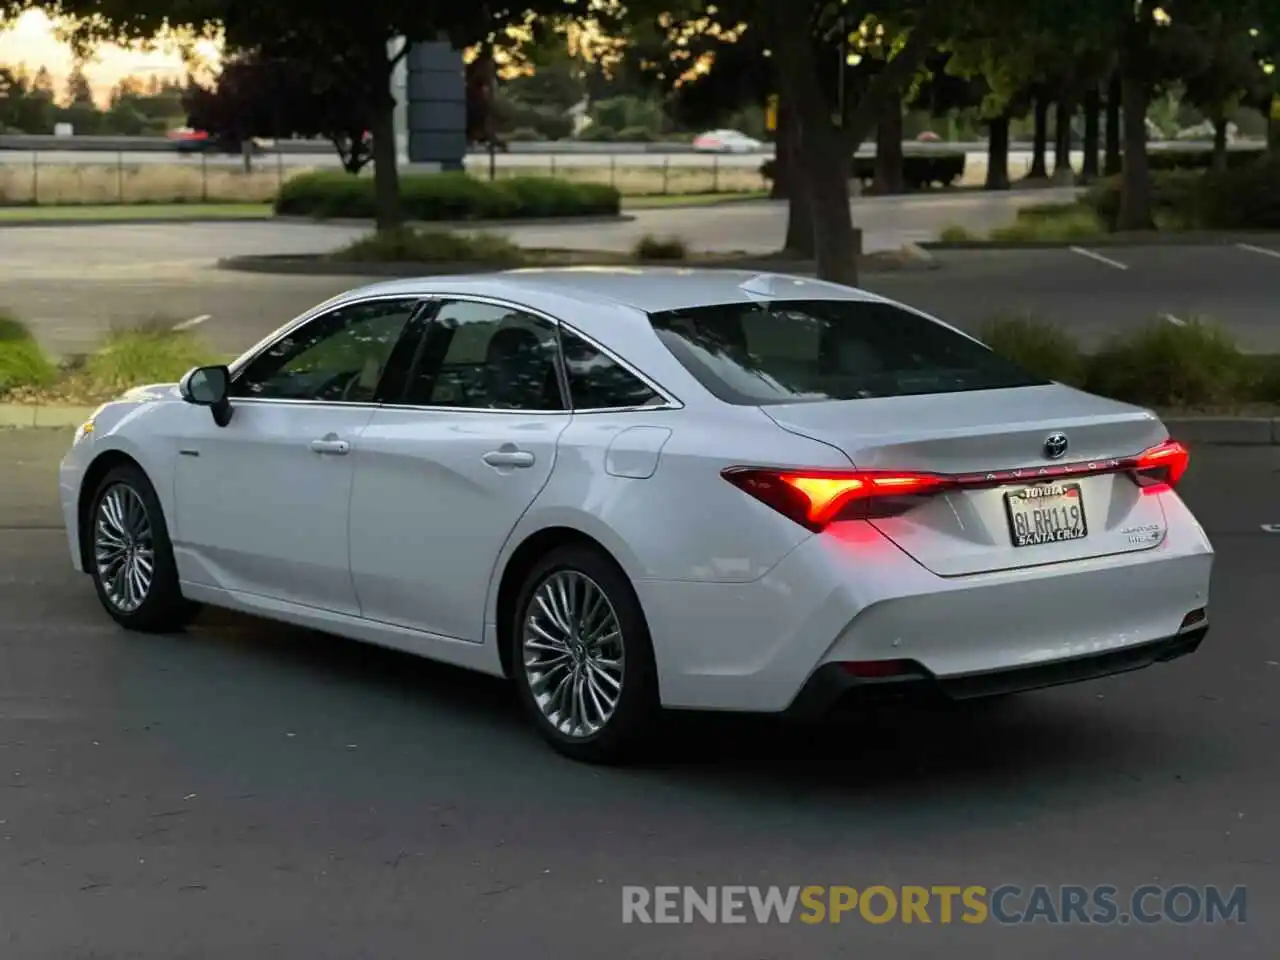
1162 466
815 498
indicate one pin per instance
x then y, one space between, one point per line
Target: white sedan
635 489
726 141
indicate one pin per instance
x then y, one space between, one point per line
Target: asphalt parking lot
73 283
252 790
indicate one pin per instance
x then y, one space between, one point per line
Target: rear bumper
832 688
851 595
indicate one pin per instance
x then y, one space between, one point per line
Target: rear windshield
790 351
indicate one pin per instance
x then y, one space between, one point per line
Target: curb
129 221
290 264
1153 239
1212 431
587 221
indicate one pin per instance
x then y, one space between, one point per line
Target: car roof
646 289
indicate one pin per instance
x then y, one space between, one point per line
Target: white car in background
726 141
634 489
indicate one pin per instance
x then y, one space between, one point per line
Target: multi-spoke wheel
582 656
124 551
130 556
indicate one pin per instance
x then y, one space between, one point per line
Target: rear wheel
583 659
130 556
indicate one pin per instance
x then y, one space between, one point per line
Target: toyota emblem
1055 446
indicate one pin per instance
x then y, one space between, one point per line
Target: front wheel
130 556
583 659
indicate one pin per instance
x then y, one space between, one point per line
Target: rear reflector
816 498
879 669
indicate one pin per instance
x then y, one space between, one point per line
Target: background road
72 283
250 790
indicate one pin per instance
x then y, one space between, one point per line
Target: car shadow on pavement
1080 741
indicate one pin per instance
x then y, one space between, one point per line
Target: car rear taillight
1161 467
815 498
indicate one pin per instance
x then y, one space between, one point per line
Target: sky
31 41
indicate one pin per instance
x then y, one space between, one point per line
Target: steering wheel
339 384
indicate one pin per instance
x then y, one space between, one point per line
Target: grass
1197 366
651 201
409 245
650 247
1053 222
100 185
23 363
156 211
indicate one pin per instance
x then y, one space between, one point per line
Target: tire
139 519
629 726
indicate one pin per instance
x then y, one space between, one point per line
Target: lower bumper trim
832 688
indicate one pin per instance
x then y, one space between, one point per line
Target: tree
258 96
1228 74
79 91
355 49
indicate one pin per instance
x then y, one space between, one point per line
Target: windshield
789 351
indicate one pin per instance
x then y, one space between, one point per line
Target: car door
262 503
443 477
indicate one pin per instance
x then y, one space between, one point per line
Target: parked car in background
726 141
188 140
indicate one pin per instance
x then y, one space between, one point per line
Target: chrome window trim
669 400
315 313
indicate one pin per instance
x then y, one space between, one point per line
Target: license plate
1046 513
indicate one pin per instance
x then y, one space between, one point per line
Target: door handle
331 446
509 458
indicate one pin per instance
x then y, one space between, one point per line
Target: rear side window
596 382
791 351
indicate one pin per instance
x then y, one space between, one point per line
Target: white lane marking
193 322
1271 527
1172 319
1262 250
1099 257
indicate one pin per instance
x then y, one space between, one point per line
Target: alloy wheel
124 548
573 653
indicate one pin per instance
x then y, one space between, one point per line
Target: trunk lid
1000 435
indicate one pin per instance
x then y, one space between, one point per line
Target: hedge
446 196
1193 158
1246 197
919 170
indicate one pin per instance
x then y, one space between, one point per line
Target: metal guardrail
93 144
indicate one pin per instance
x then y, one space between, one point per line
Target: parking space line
1266 252
1176 321
1099 257
193 322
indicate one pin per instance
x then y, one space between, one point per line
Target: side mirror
207 387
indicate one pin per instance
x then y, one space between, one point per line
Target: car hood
149 393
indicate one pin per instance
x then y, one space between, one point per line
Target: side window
338 356
487 357
597 382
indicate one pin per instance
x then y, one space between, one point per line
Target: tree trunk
1063 175
998 154
1135 179
1220 144
1092 109
889 173
799 240
825 150
1039 169
1111 165
782 153
386 175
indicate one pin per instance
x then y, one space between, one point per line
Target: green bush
445 196
430 246
598 133
1037 347
1167 365
650 247
22 362
525 135
1245 197
1182 158
1051 222
636 135
954 233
